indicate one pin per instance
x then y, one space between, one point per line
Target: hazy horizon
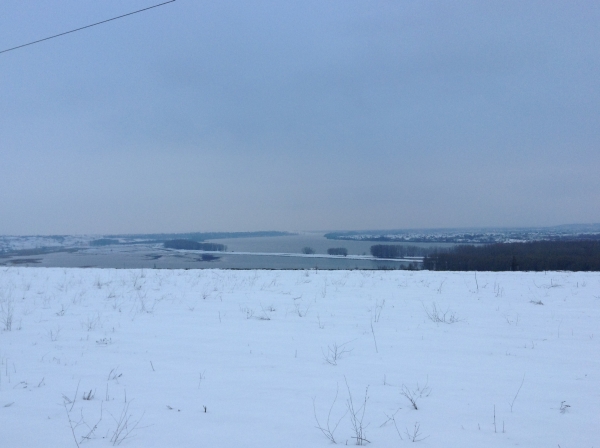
245 116
324 231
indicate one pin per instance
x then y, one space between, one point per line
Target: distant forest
194 245
104 242
532 256
338 251
397 251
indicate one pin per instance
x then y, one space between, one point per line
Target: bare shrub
357 416
415 435
517 394
114 374
436 315
91 322
299 311
329 428
418 392
126 425
248 312
53 334
7 309
62 310
335 352
392 418
377 310
265 312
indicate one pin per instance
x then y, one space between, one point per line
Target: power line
87 26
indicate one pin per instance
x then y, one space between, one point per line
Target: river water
279 252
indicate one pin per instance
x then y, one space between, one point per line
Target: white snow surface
215 358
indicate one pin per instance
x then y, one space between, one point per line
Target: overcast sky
275 115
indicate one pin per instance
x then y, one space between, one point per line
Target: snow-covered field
212 358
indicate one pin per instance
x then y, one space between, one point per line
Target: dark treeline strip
337 251
194 245
533 256
397 251
104 242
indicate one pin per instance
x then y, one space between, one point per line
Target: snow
12 243
245 358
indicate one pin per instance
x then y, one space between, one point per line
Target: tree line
531 256
337 251
194 245
397 251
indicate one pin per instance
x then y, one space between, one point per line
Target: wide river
279 252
